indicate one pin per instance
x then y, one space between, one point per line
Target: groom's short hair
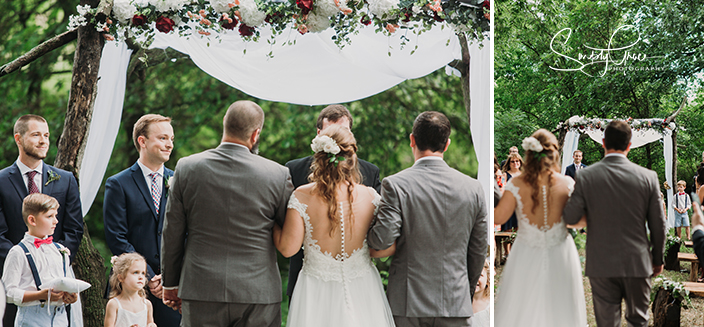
141 127
333 113
431 130
617 135
242 119
22 123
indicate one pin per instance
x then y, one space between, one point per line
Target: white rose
317 23
123 10
326 8
380 7
532 144
221 6
251 15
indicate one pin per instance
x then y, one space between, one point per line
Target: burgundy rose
273 17
139 20
305 5
438 18
408 16
164 24
246 30
365 20
229 24
486 4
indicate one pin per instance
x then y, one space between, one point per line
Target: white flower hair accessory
532 144
324 143
113 260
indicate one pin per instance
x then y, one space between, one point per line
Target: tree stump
671 262
666 309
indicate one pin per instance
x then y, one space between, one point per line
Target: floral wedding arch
644 131
309 52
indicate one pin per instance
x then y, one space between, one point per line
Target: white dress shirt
17 275
159 180
37 178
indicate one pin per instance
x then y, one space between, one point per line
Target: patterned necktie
31 186
156 193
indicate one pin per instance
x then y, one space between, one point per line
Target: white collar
427 158
146 171
24 169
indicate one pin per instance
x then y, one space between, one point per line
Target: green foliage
529 94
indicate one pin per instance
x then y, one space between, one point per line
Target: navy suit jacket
300 169
698 240
13 190
130 218
570 170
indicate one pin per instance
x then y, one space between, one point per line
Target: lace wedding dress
541 284
344 289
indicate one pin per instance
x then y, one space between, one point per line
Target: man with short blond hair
134 205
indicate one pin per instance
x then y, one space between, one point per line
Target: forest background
529 94
168 83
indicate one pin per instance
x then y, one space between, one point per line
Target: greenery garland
582 123
140 20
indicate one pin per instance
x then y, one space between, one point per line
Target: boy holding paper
36 260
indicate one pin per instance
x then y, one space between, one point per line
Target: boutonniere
53 176
167 182
65 251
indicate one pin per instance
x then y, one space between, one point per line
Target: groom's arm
656 220
173 234
387 224
477 246
576 207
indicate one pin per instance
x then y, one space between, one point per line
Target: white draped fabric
481 67
314 71
105 123
638 138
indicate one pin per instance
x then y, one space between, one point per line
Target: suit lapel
164 194
141 183
17 181
46 189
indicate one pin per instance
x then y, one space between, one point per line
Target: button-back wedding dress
541 284
338 284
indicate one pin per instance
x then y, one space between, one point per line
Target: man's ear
17 138
413 140
447 145
142 141
255 136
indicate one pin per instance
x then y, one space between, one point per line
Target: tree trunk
666 310
89 263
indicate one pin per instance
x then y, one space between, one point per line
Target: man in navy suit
135 201
300 169
577 164
29 174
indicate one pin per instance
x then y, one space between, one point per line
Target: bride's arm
288 240
383 253
505 208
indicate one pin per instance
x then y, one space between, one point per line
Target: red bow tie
38 242
682 193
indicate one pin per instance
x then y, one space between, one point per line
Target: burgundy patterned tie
31 186
156 194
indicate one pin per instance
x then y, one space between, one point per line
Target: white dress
541 284
344 291
126 318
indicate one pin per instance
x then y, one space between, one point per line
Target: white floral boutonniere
53 176
167 182
65 251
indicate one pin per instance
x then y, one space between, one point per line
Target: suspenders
33 266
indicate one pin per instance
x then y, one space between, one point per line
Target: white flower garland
324 143
123 10
251 15
380 8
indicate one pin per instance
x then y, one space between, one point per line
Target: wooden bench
695 289
689 244
691 257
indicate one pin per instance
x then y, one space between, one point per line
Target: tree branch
672 117
38 51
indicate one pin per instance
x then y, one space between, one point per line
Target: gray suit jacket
437 216
619 198
225 201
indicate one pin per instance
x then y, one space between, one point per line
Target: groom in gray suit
436 216
218 257
619 198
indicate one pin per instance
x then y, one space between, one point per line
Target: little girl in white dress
128 305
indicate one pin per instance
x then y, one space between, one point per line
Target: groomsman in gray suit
619 198
436 216
226 201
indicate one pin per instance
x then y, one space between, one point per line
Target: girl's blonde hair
120 265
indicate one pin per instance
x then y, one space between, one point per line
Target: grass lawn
690 317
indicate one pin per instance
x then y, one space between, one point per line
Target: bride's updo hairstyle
541 155
328 173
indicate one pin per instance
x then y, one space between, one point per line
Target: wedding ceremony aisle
691 316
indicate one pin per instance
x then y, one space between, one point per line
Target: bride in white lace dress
338 285
541 284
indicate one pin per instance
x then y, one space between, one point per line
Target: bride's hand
580 224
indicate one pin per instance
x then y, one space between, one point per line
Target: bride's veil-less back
339 285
